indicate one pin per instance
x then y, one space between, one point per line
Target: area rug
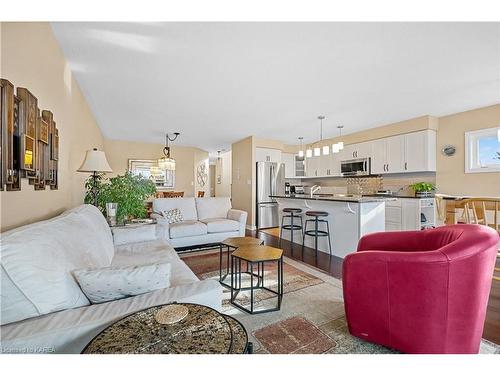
311 319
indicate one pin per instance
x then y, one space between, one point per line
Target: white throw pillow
110 283
173 216
131 234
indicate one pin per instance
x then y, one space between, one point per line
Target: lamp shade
167 164
95 161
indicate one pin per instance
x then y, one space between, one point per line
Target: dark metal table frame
230 249
236 283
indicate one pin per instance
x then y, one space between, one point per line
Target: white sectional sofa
206 220
42 306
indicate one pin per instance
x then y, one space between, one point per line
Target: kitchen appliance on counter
297 189
355 167
270 181
287 188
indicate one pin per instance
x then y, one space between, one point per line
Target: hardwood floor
333 266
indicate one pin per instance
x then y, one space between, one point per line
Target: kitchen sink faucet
314 189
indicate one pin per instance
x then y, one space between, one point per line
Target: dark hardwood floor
333 266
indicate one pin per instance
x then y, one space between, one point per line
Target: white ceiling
219 82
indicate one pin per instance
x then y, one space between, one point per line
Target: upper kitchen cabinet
388 155
289 161
357 151
295 165
420 151
412 152
267 154
314 166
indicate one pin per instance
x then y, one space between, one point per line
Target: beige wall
224 170
243 177
118 153
451 177
31 58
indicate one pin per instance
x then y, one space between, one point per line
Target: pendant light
317 149
336 147
301 150
341 143
167 163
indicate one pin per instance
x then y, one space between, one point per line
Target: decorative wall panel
29 141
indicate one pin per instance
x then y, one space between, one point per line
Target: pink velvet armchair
421 291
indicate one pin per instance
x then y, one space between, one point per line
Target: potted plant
128 191
423 189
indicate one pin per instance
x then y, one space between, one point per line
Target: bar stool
293 213
316 232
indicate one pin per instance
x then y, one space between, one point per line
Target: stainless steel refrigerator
270 181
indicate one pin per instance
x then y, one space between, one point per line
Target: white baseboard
251 227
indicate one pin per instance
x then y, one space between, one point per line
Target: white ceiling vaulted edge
219 82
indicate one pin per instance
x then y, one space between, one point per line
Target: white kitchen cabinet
388 155
379 156
333 165
420 151
313 166
356 151
407 214
289 161
267 154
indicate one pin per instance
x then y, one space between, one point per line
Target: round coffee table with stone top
203 331
231 244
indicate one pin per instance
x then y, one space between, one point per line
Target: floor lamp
95 162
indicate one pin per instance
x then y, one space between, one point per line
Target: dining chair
169 194
483 211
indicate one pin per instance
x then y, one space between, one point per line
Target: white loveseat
206 220
42 307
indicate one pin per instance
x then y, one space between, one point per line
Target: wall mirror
149 169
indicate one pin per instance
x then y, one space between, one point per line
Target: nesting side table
232 243
256 255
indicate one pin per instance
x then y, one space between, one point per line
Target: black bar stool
316 232
293 213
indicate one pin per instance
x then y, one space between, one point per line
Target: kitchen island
350 217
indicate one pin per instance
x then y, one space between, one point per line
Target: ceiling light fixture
167 162
301 150
316 147
336 147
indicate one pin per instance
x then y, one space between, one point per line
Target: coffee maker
287 188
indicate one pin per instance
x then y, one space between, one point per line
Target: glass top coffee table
203 331
231 244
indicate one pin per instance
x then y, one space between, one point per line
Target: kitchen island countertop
337 198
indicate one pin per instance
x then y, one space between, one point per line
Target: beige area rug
311 319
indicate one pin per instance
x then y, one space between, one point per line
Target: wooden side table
255 255
231 244
203 331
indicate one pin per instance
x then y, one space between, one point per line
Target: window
482 151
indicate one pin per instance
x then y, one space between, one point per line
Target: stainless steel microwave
355 167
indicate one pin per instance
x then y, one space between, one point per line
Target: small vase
111 210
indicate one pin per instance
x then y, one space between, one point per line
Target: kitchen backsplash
399 184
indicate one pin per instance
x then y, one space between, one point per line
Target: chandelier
166 162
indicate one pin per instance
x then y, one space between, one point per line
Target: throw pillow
173 216
112 283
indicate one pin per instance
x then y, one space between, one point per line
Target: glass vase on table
111 210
